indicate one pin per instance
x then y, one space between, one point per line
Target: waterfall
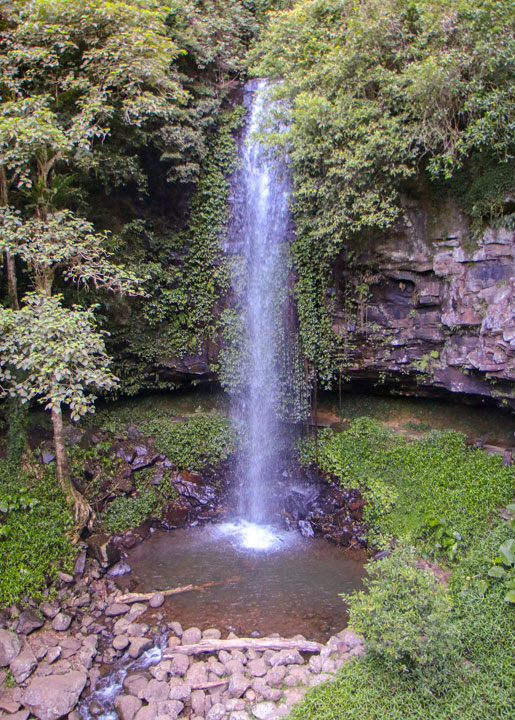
259 231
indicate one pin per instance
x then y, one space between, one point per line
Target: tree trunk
81 508
259 644
12 284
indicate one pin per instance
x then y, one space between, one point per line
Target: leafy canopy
53 354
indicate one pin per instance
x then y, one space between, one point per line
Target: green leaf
482 587
497 571
507 552
510 596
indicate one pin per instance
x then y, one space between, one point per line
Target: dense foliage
409 483
35 528
386 97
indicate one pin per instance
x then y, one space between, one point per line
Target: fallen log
209 645
130 598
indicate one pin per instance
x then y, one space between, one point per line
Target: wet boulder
102 548
51 697
193 487
10 646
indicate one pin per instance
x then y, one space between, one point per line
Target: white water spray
259 229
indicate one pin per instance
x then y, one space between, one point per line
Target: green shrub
35 523
124 513
405 618
203 440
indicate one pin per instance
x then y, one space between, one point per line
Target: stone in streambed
197 674
287 657
176 628
276 676
265 711
53 654
139 645
169 709
20 715
156 600
119 569
117 609
212 634
49 698
238 684
155 690
135 684
121 642
49 609
191 636
61 622
179 664
28 622
102 548
127 706
217 712
198 702
178 689
257 668
263 690
10 646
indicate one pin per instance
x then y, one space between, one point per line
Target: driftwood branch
209 645
209 685
130 598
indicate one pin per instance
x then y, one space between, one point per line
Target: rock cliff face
431 309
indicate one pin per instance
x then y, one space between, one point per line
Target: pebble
117 609
191 636
61 622
156 600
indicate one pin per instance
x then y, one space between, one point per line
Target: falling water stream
259 230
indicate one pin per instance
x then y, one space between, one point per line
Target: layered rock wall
431 308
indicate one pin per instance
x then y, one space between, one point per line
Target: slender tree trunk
81 508
12 284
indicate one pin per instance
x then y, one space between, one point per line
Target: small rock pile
233 684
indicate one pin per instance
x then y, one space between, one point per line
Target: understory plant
148 501
405 616
406 481
35 529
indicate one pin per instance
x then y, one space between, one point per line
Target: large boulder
102 548
29 621
51 697
10 646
